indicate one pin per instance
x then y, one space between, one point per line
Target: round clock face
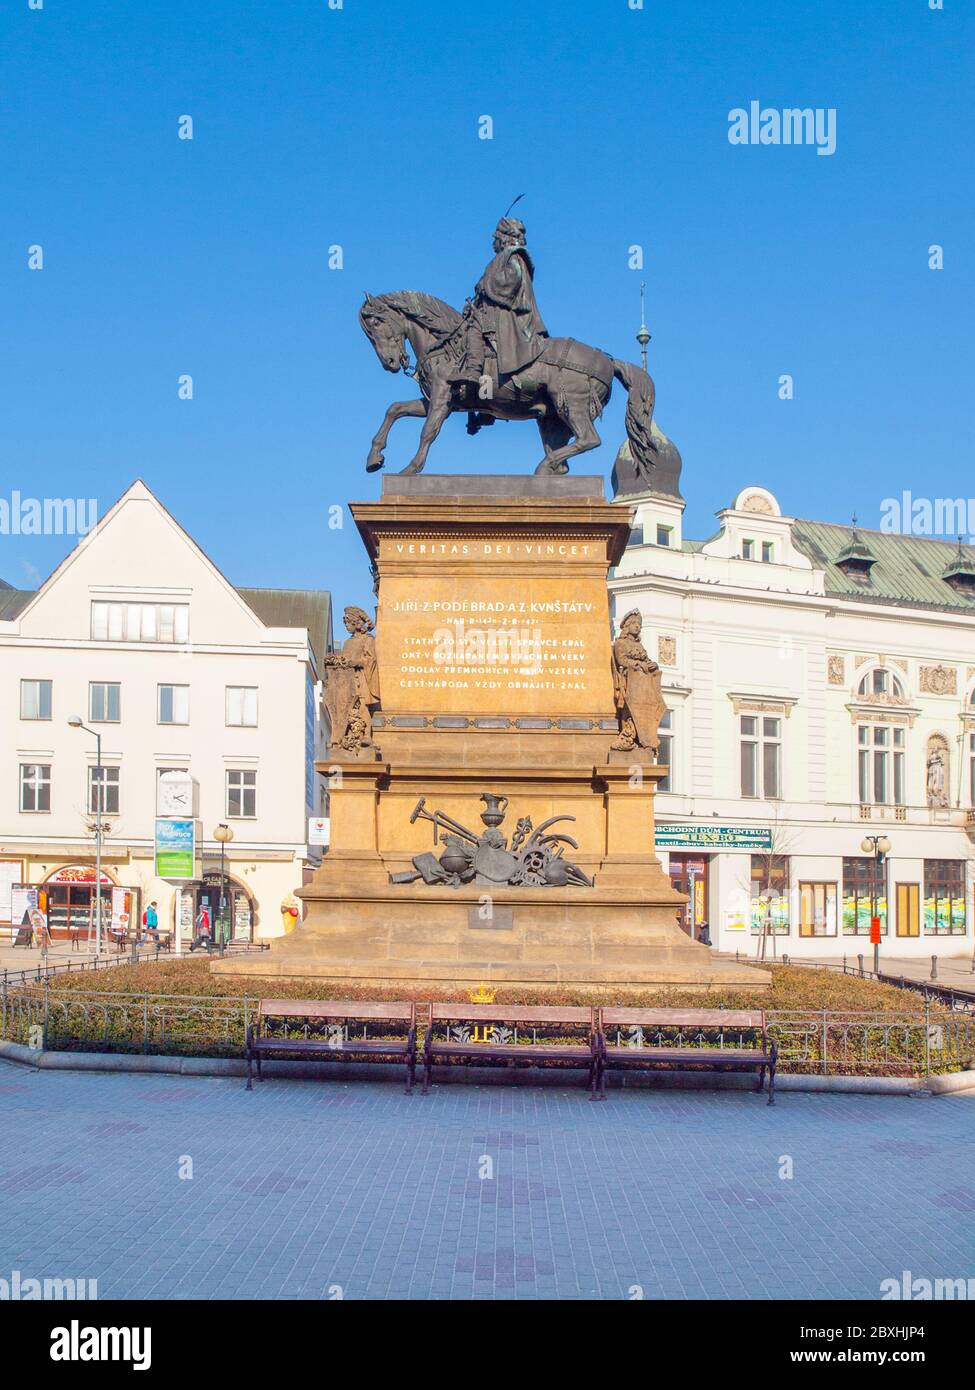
175 798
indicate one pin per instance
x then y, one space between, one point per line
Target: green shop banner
176 849
701 835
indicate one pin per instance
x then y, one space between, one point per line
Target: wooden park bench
686 1040
333 1030
509 1035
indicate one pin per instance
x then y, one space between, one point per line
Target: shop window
242 706
770 895
104 702
35 699
944 897
241 793
761 756
104 784
35 787
817 909
864 880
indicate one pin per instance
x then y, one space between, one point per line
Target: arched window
880 681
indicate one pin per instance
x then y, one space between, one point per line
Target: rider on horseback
503 315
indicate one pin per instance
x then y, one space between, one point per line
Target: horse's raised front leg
438 409
395 412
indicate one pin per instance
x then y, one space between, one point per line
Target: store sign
700 835
176 849
318 831
78 873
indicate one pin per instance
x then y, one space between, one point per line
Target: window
174 704
748 550
103 790
663 534
140 622
761 756
770 895
35 699
944 897
863 878
817 909
241 793
880 764
242 706
104 703
35 786
666 754
881 682
768 552
971 769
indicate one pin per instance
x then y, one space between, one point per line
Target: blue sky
358 126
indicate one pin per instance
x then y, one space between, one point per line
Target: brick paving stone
311 1190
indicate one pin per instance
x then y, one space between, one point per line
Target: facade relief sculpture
351 680
939 680
636 687
836 669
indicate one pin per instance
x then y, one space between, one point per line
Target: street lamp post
224 835
76 722
879 847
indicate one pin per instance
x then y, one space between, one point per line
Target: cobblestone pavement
302 1189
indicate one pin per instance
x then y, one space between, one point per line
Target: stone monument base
603 940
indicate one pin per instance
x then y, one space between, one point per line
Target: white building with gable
139 634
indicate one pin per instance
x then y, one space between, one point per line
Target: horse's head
385 329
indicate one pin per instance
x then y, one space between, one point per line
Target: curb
952 1084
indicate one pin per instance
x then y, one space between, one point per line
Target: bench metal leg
761 1079
410 1073
250 1070
771 1084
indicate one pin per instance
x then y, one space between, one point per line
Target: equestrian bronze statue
495 361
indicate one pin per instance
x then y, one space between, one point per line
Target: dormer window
959 573
856 559
768 552
664 535
748 550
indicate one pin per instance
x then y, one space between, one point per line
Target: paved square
303 1189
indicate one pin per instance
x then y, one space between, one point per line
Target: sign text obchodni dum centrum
690 836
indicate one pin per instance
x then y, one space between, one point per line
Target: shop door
908 909
689 874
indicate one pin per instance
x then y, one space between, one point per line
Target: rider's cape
506 307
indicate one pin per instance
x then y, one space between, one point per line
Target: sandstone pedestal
493 641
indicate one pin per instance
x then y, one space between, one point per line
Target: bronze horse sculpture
564 390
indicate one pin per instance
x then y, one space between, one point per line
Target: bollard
934 967
860 959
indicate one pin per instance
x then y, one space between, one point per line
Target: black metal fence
825 1042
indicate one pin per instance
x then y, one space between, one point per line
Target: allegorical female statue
352 684
636 686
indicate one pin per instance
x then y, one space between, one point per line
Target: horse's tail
639 415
